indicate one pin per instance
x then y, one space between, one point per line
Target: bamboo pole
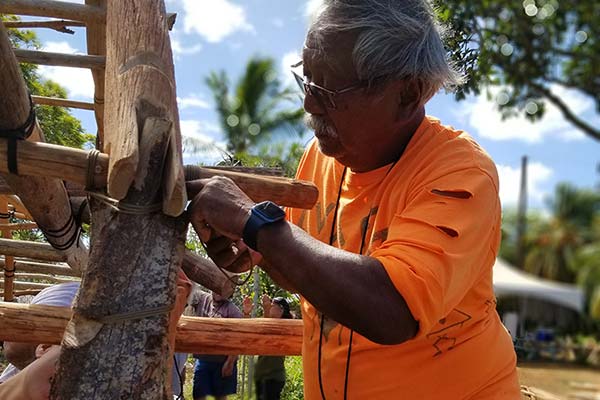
44 159
57 25
59 59
34 323
54 9
43 268
9 261
38 251
58 102
96 45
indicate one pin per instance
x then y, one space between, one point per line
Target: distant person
215 375
269 371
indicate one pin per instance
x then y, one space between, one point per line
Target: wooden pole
134 258
19 285
38 251
45 198
55 9
44 159
57 25
59 59
58 102
26 292
9 261
34 323
42 268
96 45
205 272
24 277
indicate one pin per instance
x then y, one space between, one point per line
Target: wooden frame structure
136 178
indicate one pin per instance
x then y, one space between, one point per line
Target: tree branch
566 111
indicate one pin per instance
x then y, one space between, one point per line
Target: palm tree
553 243
255 110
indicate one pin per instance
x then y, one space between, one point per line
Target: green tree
555 245
253 111
528 49
58 125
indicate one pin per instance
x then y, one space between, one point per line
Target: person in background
269 371
215 375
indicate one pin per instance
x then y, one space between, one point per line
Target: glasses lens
300 82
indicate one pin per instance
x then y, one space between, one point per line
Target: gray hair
397 39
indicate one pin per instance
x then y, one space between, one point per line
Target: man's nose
313 105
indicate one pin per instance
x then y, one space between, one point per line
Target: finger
243 263
219 243
226 256
194 187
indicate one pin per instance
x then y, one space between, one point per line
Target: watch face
270 211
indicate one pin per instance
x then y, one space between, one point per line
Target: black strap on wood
15 134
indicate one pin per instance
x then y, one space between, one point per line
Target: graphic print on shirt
444 339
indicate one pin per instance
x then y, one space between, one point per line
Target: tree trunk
116 345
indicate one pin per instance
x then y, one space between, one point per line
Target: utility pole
522 215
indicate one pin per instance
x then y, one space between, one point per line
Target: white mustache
318 124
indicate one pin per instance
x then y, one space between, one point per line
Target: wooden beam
19 285
34 323
28 292
57 25
17 226
58 102
9 261
43 268
205 272
54 9
59 59
283 191
48 160
38 251
24 277
45 198
96 45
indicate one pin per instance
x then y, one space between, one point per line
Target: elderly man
394 263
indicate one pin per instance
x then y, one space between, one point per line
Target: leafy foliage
253 111
528 49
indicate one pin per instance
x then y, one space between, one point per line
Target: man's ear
409 94
42 349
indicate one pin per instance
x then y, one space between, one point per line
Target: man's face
363 120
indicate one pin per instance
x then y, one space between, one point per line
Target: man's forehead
332 48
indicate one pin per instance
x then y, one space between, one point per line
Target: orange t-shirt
434 224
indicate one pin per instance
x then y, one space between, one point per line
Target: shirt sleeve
442 242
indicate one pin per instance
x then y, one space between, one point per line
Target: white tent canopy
509 281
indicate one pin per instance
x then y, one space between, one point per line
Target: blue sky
223 34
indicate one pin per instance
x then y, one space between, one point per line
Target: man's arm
354 290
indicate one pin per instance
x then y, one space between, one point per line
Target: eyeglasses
325 96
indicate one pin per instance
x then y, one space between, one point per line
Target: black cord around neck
332 235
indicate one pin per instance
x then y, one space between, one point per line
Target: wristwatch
262 214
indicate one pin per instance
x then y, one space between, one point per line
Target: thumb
194 187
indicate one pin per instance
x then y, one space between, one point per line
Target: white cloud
198 137
288 59
538 175
483 115
312 6
77 81
179 49
214 20
193 100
